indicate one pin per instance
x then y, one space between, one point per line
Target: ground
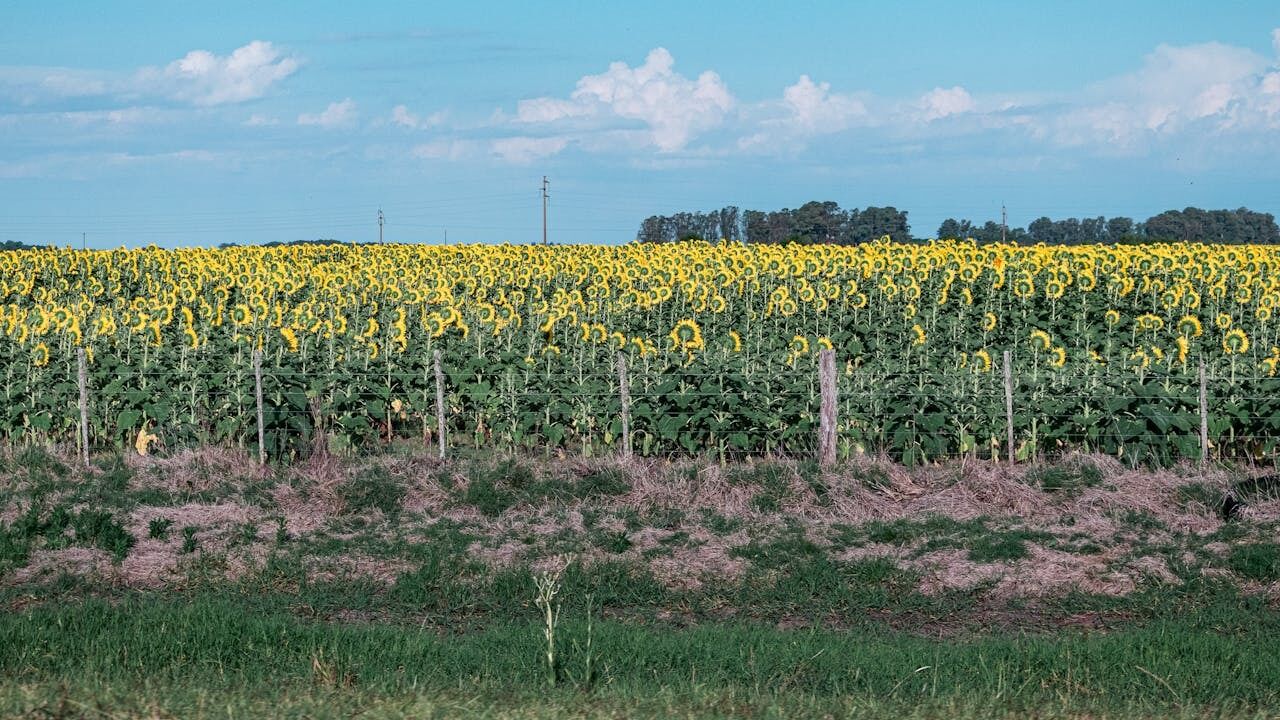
399 585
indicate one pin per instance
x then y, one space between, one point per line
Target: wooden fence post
1008 403
83 378
257 394
439 403
1204 416
827 421
624 394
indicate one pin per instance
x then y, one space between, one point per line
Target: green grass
214 654
1067 478
374 489
1257 561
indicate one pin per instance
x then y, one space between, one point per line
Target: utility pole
84 244
1004 222
546 184
380 221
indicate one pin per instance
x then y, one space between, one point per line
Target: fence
821 410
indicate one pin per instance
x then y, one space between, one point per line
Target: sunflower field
720 341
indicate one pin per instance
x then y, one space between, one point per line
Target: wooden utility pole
1008 403
546 195
1204 416
624 394
83 378
439 403
827 420
257 394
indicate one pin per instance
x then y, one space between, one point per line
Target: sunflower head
1040 340
686 335
1235 342
982 360
40 355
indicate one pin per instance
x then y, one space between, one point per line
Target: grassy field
400 586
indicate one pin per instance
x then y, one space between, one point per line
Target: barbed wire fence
840 414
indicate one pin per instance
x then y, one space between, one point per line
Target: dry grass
708 511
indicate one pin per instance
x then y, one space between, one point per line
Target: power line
546 185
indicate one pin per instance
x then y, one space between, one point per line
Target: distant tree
952 229
819 222
755 226
730 228
652 230
1220 226
1119 227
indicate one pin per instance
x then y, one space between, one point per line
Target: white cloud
446 149
942 102
259 120
673 107
203 78
1208 88
337 114
400 115
1275 41
813 107
524 150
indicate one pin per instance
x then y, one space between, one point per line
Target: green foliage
189 540
1256 561
99 529
61 527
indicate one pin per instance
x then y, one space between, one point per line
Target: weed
158 528
188 540
547 585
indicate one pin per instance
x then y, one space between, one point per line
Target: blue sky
179 124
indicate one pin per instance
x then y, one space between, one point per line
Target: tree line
827 222
813 222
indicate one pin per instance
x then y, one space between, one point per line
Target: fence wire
914 417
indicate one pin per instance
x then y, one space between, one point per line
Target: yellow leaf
144 441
